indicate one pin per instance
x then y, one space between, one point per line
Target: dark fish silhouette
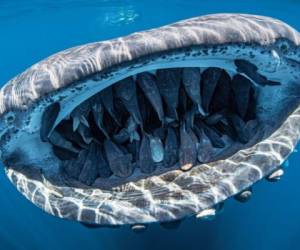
147 83
119 162
168 83
126 91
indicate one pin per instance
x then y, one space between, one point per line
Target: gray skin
73 75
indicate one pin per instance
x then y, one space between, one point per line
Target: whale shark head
157 125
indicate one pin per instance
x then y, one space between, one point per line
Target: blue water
32 30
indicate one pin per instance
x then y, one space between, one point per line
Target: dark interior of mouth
154 122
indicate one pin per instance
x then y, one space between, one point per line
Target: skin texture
169 194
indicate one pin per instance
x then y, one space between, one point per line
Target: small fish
63 154
85 133
168 83
80 113
241 87
182 102
57 140
205 150
119 162
215 118
224 127
189 118
101 163
239 127
187 150
222 93
65 129
157 149
210 78
160 133
171 148
146 162
145 108
132 127
122 136
133 148
73 167
250 70
128 133
191 79
107 100
126 91
147 83
193 136
251 128
89 172
48 119
214 137
122 112
98 112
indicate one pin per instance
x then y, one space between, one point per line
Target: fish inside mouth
154 122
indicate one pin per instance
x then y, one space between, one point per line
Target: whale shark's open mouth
150 123
155 126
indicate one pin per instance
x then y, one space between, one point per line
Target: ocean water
32 30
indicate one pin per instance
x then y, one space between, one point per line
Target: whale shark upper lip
79 62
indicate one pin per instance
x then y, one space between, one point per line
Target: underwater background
31 30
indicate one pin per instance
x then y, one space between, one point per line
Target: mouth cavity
157 121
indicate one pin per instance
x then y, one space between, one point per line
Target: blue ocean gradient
32 30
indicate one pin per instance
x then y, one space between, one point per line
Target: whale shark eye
155 126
